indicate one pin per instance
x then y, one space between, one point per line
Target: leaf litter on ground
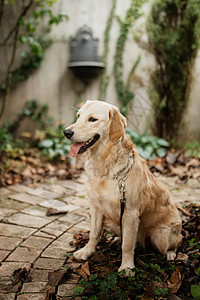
176 163
32 167
155 277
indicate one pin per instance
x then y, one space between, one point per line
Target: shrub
148 146
173 33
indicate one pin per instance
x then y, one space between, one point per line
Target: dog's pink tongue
75 148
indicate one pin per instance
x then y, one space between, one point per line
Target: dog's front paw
126 271
83 253
171 255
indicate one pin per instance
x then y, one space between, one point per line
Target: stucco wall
54 84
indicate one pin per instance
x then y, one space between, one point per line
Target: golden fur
149 211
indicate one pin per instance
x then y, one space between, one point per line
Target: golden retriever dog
115 170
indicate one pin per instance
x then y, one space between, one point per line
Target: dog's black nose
68 133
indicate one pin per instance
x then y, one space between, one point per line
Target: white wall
54 84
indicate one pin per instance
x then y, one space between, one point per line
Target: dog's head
96 121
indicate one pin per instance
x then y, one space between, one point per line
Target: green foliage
195 291
30 61
192 149
7 142
5 137
156 267
34 111
161 292
36 42
124 94
173 32
54 144
52 141
104 77
105 286
148 146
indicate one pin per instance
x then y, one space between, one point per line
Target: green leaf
51 153
163 142
195 291
133 134
146 152
46 143
147 139
161 152
93 297
79 290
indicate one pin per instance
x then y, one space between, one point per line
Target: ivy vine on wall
124 94
104 80
24 30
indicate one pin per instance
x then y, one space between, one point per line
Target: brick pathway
30 239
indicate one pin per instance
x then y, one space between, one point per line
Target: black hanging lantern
84 61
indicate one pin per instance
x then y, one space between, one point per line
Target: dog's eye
92 119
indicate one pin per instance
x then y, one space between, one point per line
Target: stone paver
72 218
33 287
3 254
13 204
6 211
29 239
35 211
7 285
23 254
57 225
66 290
9 243
52 252
36 242
7 296
24 197
51 231
49 263
4 192
39 275
15 231
7 268
32 296
45 235
28 220
18 188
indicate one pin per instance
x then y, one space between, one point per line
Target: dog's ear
117 125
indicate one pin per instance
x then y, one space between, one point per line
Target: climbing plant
124 94
173 38
104 76
25 30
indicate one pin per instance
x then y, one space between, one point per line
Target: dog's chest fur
104 195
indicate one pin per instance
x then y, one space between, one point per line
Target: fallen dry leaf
50 293
182 256
175 281
193 162
184 211
56 276
180 171
82 273
85 268
19 275
81 236
171 157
